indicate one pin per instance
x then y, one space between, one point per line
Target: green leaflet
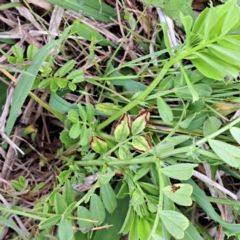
108 197
211 125
217 53
179 193
174 222
181 171
65 229
97 209
91 8
228 153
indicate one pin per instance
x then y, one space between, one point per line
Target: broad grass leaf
179 193
60 105
92 8
26 80
87 32
144 229
108 197
181 171
164 110
191 233
174 222
203 201
49 222
211 125
97 209
65 229
228 153
11 224
235 133
84 213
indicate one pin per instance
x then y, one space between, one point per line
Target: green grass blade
10 5
91 8
11 224
202 200
26 81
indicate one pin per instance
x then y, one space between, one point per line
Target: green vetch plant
155 143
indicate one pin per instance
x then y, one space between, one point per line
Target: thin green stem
160 201
21 213
46 106
155 82
215 134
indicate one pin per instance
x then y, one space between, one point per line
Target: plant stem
160 201
46 106
21 213
213 135
140 98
